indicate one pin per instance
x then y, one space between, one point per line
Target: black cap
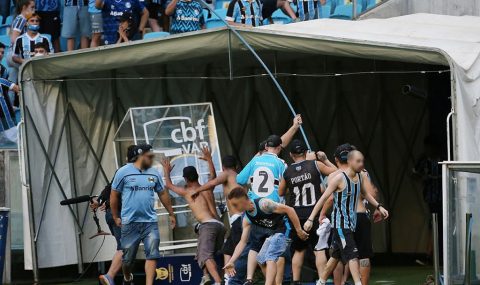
137 150
274 141
190 173
342 151
131 154
297 147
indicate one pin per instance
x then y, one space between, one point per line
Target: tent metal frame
71 114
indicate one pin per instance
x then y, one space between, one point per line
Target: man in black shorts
270 6
303 179
49 12
155 9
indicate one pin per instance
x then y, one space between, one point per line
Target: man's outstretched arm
288 136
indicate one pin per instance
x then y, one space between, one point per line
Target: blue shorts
273 248
135 232
114 230
76 20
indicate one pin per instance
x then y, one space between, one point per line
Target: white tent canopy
80 94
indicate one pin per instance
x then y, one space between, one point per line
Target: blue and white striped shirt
344 213
245 12
308 9
25 45
19 24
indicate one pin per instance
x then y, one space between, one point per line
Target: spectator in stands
24 47
3 69
125 32
76 18
309 9
96 20
112 12
24 9
49 12
40 49
154 8
270 6
244 13
187 16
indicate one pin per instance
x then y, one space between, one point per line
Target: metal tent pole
436 253
468 248
262 63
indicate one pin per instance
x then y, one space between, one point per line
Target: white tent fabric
457 38
422 38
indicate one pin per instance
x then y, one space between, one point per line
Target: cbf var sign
176 131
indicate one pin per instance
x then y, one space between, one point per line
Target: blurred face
240 204
34 24
356 161
29 9
40 52
147 159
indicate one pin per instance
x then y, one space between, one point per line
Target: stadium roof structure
71 102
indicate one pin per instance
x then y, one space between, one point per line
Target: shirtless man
211 231
346 188
227 178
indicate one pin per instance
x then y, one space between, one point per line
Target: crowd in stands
31 28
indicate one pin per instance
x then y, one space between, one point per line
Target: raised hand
297 121
207 155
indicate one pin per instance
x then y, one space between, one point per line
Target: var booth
382 85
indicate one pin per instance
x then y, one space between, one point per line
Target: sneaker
105 279
320 282
248 282
206 280
130 282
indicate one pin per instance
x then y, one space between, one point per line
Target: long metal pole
354 7
436 253
468 245
257 57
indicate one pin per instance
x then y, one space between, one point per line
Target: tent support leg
73 182
230 62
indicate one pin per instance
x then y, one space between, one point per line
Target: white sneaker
205 280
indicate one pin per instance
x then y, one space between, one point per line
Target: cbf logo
189 135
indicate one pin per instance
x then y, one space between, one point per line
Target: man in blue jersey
76 18
114 10
244 13
24 47
264 228
136 185
187 16
264 172
49 11
346 189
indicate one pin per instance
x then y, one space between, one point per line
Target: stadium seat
325 11
4 29
5 39
155 35
8 20
343 12
279 17
221 4
214 21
